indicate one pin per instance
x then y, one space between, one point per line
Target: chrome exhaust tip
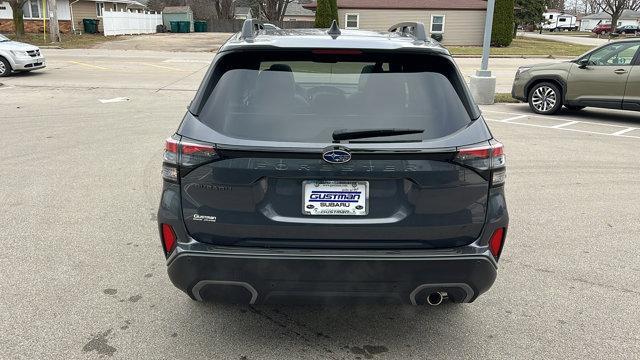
436 298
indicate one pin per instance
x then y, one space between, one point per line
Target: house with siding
33 16
90 9
628 17
297 12
70 14
461 22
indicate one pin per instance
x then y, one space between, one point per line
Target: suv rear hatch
259 164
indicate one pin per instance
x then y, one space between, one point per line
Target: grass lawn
526 46
505 98
69 41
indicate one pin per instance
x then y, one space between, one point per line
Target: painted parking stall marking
558 123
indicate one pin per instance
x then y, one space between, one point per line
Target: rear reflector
496 242
168 238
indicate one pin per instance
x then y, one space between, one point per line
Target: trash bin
174 26
200 26
90 26
184 26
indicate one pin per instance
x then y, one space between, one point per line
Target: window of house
550 16
31 9
437 24
99 9
352 21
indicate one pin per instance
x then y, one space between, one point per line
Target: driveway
578 40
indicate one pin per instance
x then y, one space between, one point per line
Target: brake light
489 160
178 154
496 242
168 238
336 52
190 149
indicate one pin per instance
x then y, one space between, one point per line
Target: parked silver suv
17 56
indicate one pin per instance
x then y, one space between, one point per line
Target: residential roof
242 10
176 9
626 15
296 8
409 4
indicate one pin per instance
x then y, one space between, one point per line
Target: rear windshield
305 97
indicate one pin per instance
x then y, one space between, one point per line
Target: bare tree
555 4
273 10
18 20
592 6
616 7
225 9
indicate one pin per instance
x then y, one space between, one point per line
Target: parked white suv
17 56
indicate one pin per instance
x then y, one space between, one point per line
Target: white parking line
564 126
513 118
568 123
624 131
554 118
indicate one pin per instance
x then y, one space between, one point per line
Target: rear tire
545 98
574 108
5 67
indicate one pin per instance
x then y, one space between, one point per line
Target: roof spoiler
414 29
250 28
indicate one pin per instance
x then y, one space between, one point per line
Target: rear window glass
306 97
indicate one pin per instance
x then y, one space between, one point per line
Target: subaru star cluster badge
336 155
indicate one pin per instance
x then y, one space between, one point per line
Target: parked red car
602 29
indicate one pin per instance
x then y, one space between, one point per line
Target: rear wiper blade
344 134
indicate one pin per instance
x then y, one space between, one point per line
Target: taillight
496 242
168 238
489 160
182 154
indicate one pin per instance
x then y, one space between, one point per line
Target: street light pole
483 83
486 44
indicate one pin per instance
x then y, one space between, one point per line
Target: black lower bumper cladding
250 278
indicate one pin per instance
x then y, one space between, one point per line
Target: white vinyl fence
129 23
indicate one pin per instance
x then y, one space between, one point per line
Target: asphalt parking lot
84 277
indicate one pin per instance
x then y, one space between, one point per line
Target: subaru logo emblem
336 155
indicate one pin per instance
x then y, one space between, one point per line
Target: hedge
503 21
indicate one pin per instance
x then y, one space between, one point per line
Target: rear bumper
275 276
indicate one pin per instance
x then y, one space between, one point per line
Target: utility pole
483 83
54 28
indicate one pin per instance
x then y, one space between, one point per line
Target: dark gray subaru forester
328 165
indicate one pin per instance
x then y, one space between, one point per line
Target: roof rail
250 28
415 29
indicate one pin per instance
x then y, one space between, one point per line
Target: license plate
336 198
